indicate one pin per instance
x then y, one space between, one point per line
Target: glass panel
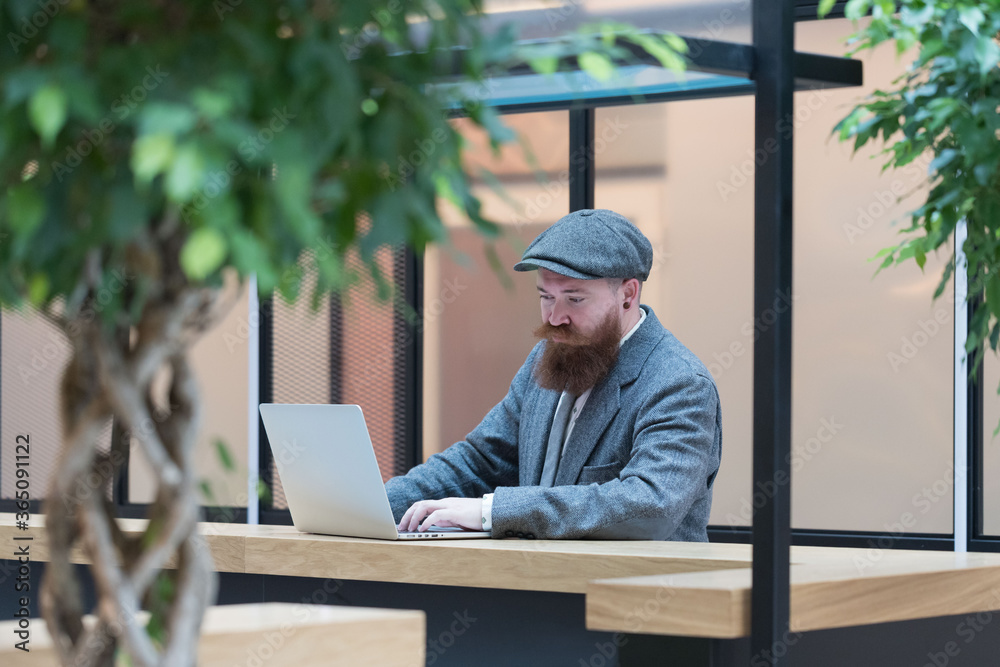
350 350
725 20
477 332
373 347
631 81
301 360
991 445
872 402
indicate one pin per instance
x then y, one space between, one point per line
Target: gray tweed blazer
639 464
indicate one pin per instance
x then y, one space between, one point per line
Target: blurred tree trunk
112 375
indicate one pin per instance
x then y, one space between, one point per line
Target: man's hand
459 512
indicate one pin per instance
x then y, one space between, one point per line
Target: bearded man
611 429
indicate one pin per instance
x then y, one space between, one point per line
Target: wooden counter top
538 565
226 541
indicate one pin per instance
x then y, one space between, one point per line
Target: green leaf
203 253
916 18
185 175
263 491
544 64
597 65
47 112
206 491
824 7
25 209
855 9
943 159
675 42
211 104
971 18
987 53
151 155
166 118
249 256
38 289
993 293
225 457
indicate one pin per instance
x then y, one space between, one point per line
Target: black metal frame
409 383
774 40
265 394
582 160
805 10
814 537
336 348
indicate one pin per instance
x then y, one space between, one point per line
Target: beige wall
219 360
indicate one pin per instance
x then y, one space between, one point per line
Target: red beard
578 362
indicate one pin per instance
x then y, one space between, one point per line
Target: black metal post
336 345
408 369
974 433
773 39
265 394
582 161
121 447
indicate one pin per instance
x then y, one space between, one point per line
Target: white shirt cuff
488 512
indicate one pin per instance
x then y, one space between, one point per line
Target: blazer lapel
532 450
600 408
604 402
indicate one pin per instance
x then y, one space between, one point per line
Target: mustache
566 332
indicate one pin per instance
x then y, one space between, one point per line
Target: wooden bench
830 588
276 635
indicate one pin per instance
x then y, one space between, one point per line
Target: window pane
872 358
352 349
991 445
477 332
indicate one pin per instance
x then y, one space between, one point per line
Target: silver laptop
330 476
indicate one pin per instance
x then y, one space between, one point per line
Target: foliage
945 107
248 132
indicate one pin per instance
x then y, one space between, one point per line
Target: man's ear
630 290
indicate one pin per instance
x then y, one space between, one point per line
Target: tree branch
126 399
84 414
118 601
180 430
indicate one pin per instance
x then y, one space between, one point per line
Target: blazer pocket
600 474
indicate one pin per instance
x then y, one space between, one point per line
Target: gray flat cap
589 244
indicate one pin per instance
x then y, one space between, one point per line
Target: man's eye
576 300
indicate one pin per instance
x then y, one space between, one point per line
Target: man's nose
558 316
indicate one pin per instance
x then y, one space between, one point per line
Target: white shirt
581 400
